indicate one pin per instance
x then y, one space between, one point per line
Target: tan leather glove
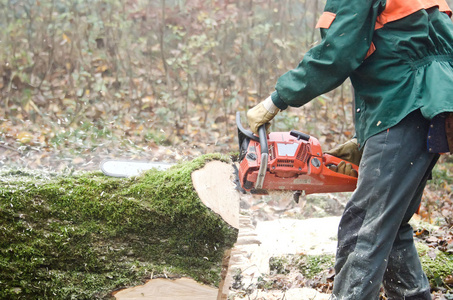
346 169
348 151
262 114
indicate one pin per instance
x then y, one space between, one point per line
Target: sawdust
291 294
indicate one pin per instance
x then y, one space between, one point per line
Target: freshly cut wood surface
215 187
169 289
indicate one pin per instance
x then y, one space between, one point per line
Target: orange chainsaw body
293 164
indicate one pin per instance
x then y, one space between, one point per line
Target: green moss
280 265
312 265
308 265
442 175
436 264
83 235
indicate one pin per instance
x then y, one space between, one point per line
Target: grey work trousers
375 241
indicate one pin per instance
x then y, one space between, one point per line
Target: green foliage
436 264
83 235
442 175
285 122
308 265
311 265
278 265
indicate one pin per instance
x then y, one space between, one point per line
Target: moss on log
82 236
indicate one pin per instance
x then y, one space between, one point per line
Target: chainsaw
288 161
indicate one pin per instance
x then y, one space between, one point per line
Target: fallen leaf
24 137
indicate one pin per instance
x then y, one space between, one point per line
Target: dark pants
375 241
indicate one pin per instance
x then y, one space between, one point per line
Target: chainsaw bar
128 168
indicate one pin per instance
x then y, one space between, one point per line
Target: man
399 57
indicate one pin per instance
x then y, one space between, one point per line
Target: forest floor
306 234
436 209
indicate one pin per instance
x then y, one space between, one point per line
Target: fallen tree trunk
85 235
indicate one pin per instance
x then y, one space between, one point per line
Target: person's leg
404 277
392 171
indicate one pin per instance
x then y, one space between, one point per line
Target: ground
435 210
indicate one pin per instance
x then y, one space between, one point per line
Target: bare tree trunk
315 18
51 47
162 43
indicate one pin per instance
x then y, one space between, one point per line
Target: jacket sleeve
347 28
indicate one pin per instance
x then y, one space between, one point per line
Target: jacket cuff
278 101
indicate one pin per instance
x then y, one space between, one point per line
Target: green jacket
411 68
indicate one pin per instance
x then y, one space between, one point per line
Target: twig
9 148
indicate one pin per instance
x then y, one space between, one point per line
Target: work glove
348 151
262 114
344 168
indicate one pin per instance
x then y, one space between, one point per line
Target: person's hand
344 168
262 114
348 151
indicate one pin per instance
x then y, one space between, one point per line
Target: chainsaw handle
262 133
244 131
262 138
264 157
300 135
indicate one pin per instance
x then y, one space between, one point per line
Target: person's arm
347 28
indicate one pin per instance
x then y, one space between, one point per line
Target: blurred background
83 80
